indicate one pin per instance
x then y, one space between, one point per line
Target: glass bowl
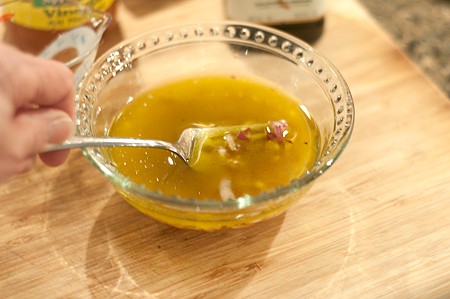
69 32
229 48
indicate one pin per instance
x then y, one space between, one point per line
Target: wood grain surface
375 225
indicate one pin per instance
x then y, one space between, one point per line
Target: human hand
36 108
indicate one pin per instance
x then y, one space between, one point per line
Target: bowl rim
245 201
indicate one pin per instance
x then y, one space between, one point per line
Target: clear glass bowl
68 32
209 49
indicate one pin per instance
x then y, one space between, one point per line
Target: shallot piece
225 190
244 134
230 142
277 130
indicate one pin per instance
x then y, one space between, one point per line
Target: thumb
60 126
59 129
34 128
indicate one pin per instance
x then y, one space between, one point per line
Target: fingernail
60 128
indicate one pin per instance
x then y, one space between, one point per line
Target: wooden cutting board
377 224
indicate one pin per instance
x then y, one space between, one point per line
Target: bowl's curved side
125 56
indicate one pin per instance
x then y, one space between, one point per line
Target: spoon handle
81 141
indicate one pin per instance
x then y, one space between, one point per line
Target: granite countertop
422 29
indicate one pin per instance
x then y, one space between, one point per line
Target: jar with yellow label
64 30
31 25
51 15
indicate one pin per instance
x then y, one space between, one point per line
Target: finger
60 93
29 80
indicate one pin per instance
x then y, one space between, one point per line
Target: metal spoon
187 147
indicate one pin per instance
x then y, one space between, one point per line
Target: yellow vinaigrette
240 163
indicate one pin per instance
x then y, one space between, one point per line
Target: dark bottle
301 18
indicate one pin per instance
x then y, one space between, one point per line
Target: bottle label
274 12
53 14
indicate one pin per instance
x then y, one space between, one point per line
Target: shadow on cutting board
130 254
